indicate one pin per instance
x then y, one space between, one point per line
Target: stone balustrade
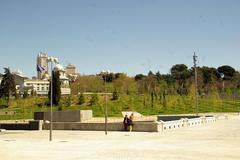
183 122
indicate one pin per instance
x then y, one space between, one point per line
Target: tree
209 74
150 86
25 94
228 71
94 100
69 101
150 73
81 99
139 77
125 84
33 93
7 87
56 88
108 77
115 95
180 73
90 83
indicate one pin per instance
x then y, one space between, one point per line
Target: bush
25 94
60 108
81 99
69 101
94 100
115 95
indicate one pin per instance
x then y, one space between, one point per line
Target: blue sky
131 36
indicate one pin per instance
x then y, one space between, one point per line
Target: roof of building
70 66
58 67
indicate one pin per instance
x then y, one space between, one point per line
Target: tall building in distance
42 65
70 69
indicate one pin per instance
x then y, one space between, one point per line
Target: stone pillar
160 126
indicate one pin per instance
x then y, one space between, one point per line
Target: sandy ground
215 141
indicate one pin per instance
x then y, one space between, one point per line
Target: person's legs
125 127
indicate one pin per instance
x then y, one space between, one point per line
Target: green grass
24 108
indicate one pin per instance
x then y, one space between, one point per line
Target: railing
184 122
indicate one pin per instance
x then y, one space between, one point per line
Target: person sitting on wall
125 122
130 123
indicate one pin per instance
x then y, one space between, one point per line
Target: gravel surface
214 141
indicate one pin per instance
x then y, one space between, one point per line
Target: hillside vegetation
152 94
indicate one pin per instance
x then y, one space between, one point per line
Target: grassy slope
24 108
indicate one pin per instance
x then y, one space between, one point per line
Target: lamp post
222 77
196 81
222 94
105 90
51 60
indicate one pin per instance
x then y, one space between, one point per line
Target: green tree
94 100
209 74
7 87
228 71
115 95
56 88
33 93
81 99
25 94
139 77
181 73
69 101
150 86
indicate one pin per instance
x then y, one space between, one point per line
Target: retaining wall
65 116
31 125
138 126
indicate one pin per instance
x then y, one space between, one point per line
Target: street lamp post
105 105
51 60
105 90
50 134
196 81
222 77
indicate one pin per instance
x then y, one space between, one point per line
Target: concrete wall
138 126
31 125
85 115
65 116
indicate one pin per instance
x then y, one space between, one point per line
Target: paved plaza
213 141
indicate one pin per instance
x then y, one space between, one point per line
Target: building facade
70 69
42 65
40 86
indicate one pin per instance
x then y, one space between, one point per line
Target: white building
65 87
40 86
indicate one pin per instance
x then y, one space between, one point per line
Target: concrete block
65 116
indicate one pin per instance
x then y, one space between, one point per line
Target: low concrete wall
137 126
65 116
31 125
